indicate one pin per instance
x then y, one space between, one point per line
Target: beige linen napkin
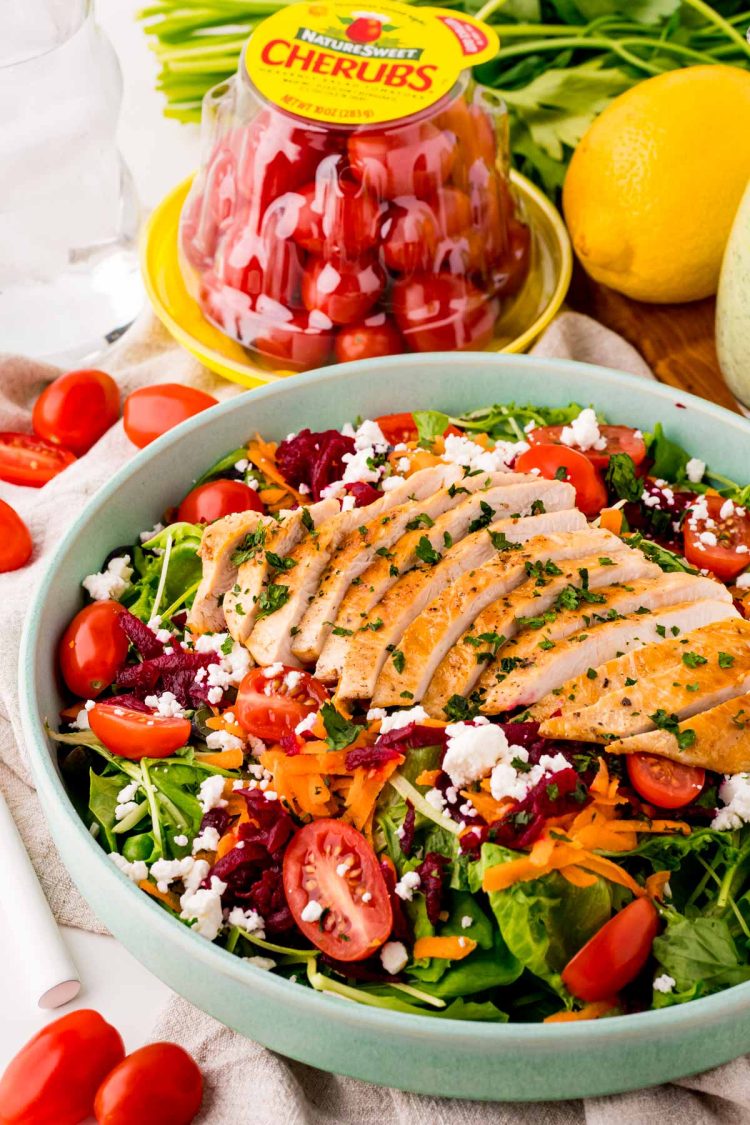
245 1082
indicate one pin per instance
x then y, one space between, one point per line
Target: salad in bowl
444 715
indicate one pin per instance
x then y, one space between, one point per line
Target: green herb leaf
340 732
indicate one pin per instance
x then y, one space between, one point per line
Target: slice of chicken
360 548
447 530
368 648
271 638
718 739
440 624
218 543
462 666
256 574
519 685
731 636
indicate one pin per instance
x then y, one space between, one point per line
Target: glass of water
69 279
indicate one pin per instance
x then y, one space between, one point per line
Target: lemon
654 184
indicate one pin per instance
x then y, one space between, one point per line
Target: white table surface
159 153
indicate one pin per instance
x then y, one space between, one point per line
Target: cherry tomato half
398 429
53 1079
218 498
372 337
349 928
440 312
15 541
269 706
412 161
559 462
344 291
730 531
670 785
26 459
76 409
620 439
92 649
296 343
615 955
138 734
156 1085
151 411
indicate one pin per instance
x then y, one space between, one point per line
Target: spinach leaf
621 478
223 466
481 970
667 560
669 458
430 424
701 956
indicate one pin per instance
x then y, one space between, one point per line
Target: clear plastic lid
354 197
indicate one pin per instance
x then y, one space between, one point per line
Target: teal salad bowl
523 1062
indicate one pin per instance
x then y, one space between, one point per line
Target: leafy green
507 421
667 560
223 466
700 954
340 732
430 424
621 477
184 570
103 801
669 458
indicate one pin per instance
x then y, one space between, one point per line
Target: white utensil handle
51 976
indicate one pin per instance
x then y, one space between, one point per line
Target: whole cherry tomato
151 411
415 160
372 337
209 207
76 409
443 313
92 649
491 211
218 498
713 543
350 927
138 734
474 131
275 154
296 343
619 439
260 265
560 462
670 785
411 235
53 1079
33 461
508 272
615 955
15 541
344 291
269 707
156 1085
336 213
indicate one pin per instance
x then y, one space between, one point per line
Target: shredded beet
363 493
313 459
371 757
401 929
290 744
173 672
140 636
268 898
412 736
216 818
430 872
554 795
132 702
407 829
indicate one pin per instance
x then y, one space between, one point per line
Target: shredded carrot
69 714
428 777
551 855
577 876
227 842
263 456
656 883
590 1012
611 520
487 806
168 897
223 759
318 782
448 948
218 722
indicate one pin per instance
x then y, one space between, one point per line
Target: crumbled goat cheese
583 432
376 714
664 983
473 751
203 907
125 808
435 798
407 885
167 871
266 963
136 871
110 583
208 841
726 511
146 535
393 957
211 792
81 721
743 582
367 896
392 482
312 911
249 920
466 921
508 782
223 740
401 719
165 704
695 469
304 726
734 794
348 504
241 465
273 670
403 464
181 840
461 450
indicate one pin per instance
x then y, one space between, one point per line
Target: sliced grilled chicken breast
219 542
437 628
511 686
271 638
673 656
718 739
428 545
360 548
368 648
462 666
256 573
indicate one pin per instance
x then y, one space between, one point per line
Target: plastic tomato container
354 198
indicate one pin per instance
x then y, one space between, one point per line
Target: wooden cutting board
677 341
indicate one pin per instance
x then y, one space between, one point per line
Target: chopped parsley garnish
726 660
456 489
561 473
307 520
384 553
591 673
280 562
373 626
340 631
693 659
458 709
605 561
340 732
399 660
538 508
426 553
250 545
422 520
272 599
501 542
484 518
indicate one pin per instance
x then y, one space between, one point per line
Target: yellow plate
522 320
